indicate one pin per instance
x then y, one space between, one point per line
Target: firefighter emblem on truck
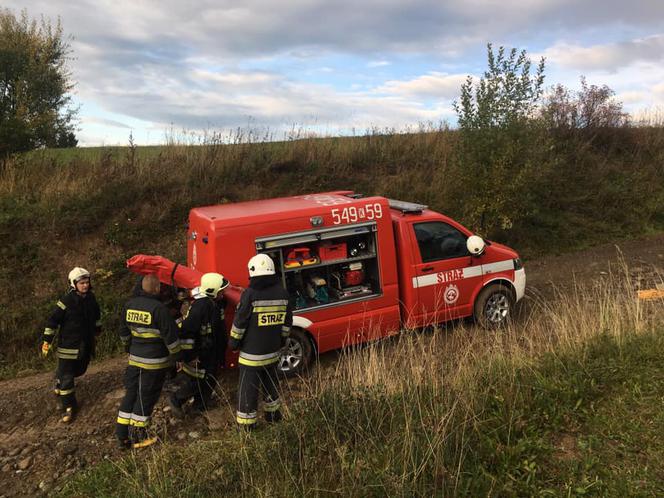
451 294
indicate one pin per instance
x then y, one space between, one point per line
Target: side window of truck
438 240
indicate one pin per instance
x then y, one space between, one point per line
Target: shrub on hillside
502 147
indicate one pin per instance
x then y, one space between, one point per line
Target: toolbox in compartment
329 251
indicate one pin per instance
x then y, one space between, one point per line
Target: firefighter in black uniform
261 326
151 338
200 351
77 316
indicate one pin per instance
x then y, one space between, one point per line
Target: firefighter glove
234 344
45 347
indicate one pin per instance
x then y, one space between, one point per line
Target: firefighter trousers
65 374
252 380
143 388
197 383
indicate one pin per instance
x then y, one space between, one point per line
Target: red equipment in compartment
354 277
329 251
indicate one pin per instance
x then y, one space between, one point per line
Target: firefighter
78 319
198 340
150 337
261 326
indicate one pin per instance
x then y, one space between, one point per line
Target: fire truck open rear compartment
326 267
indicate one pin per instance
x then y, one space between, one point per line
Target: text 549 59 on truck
359 268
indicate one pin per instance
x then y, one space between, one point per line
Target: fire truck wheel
297 354
494 306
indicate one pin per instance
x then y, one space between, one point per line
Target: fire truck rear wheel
297 355
494 307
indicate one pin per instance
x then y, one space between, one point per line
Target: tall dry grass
552 325
458 411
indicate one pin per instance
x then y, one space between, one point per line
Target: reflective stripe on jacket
151 333
260 321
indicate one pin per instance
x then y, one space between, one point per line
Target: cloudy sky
174 69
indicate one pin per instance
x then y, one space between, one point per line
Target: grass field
566 402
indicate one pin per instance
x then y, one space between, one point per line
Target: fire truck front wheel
297 354
494 307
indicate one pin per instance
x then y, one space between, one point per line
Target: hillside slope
97 207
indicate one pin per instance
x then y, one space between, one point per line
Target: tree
35 85
504 96
501 142
590 108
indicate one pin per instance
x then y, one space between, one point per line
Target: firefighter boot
124 444
176 407
273 416
68 415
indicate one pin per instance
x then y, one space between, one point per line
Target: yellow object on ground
145 443
651 294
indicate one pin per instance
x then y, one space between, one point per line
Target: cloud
93 120
607 57
378 63
631 97
434 84
220 63
232 30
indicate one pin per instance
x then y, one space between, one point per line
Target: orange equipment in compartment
300 256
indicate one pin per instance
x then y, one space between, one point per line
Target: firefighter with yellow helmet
200 338
76 320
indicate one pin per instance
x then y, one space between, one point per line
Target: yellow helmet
212 283
77 274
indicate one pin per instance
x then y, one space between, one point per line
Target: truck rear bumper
520 283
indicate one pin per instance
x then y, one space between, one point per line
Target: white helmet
212 283
475 245
260 265
77 274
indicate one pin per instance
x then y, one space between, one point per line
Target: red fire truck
358 268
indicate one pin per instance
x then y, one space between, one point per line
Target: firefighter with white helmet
76 320
201 335
261 326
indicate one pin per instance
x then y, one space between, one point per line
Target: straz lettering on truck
352 214
449 276
273 318
142 317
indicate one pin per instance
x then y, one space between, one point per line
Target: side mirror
475 245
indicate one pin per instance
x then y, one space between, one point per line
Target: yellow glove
45 348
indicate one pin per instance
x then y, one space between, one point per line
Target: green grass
587 423
564 402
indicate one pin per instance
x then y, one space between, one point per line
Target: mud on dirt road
38 452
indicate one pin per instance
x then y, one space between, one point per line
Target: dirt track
37 452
